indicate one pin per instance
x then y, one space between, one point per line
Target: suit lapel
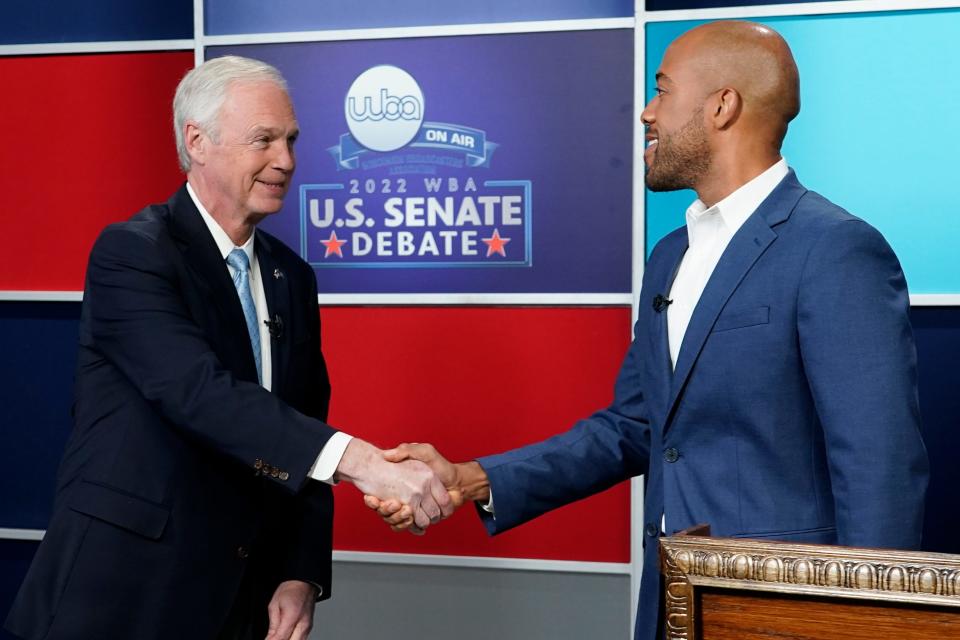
211 274
746 247
276 287
674 255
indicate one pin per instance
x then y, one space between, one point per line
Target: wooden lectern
742 589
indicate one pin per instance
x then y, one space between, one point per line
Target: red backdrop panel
476 381
90 142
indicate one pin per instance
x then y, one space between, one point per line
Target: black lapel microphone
275 326
660 302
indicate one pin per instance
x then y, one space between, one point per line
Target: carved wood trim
792 568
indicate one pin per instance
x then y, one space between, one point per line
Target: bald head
750 58
726 92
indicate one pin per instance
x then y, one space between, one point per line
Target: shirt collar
224 243
739 205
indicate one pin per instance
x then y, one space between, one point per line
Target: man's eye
658 91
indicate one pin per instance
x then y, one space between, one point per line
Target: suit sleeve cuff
329 458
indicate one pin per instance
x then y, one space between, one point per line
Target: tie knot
238 260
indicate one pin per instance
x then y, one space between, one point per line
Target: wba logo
389 107
416 194
384 108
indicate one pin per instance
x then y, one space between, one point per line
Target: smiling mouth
278 186
650 151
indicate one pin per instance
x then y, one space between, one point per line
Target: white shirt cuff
329 458
489 506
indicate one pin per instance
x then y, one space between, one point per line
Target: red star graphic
333 245
496 244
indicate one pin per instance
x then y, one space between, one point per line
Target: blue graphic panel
480 164
38 343
876 134
250 16
48 21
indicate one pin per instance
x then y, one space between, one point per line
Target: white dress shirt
709 231
225 245
326 464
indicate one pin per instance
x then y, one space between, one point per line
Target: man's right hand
405 480
463 481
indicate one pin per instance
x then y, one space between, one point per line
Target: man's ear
196 142
724 108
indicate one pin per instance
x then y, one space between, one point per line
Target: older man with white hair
193 498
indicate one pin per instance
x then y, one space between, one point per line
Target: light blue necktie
241 280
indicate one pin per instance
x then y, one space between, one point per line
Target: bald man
770 390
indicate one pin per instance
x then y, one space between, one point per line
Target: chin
269 206
657 182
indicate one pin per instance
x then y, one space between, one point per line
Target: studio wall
474 350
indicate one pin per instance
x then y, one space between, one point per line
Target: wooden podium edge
689 561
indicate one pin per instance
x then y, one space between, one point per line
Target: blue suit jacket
182 473
791 414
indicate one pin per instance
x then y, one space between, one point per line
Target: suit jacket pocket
740 318
120 509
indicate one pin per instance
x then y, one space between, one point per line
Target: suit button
243 553
266 469
671 455
284 476
274 473
651 530
258 464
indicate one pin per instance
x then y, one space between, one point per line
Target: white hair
202 92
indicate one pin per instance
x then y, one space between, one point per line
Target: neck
731 169
238 227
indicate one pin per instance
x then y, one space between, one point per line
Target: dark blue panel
937 331
663 5
15 557
43 21
38 352
256 16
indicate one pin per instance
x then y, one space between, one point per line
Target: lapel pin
277 274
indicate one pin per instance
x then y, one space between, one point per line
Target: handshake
411 486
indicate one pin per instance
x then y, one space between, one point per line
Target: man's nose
285 160
648 115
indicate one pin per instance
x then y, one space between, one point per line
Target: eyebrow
272 131
661 77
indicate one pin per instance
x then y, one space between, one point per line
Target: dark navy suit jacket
182 473
791 414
